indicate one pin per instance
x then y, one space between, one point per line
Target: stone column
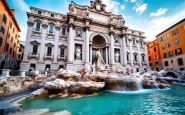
42 47
106 50
28 38
57 33
70 44
139 54
124 52
90 54
146 54
86 44
131 54
112 60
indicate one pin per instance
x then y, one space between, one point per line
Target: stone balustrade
34 55
47 56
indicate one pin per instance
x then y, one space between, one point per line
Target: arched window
166 63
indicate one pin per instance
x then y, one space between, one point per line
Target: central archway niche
99 44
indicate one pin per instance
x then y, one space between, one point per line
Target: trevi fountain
95 90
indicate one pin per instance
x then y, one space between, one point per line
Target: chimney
13 11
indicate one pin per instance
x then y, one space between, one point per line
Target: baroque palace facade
70 41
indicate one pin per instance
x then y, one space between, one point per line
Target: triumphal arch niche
92 28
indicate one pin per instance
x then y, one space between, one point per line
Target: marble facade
71 40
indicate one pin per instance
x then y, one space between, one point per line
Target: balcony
34 55
61 57
48 56
136 62
37 31
128 62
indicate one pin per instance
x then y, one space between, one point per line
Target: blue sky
149 16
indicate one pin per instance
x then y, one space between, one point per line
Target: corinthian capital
45 25
30 23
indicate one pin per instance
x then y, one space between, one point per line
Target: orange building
154 56
9 30
172 46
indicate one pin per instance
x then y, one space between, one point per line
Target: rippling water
144 102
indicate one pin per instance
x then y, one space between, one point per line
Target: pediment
49 44
34 42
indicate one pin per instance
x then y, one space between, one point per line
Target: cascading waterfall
124 84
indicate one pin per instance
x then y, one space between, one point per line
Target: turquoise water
144 102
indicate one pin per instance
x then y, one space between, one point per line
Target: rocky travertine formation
11 85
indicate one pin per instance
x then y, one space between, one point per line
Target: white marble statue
111 19
72 9
117 56
78 53
87 13
99 62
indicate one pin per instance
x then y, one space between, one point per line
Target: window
143 58
155 56
61 66
134 42
166 63
153 43
170 54
63 31
19 56
155 49
171 61
51 29
127 57
13 30
2 29
32 65
8 36
47 67
126 40
49 50
10 50
13 54
150 58
180 61
20 50
175 32
167 35
141 43
35 49
37 26
62 52
40 12
150 64
1 41
164 55
161 39
10 24
156 62
52 15
135 57
176 41
4 18
148 51
14 44
7 47
163 47
169 44
11 39
178 51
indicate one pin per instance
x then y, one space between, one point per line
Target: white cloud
21 5
122 7
158 25
133 0
159 12
112 6
140 8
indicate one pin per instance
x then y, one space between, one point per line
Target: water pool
144 102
